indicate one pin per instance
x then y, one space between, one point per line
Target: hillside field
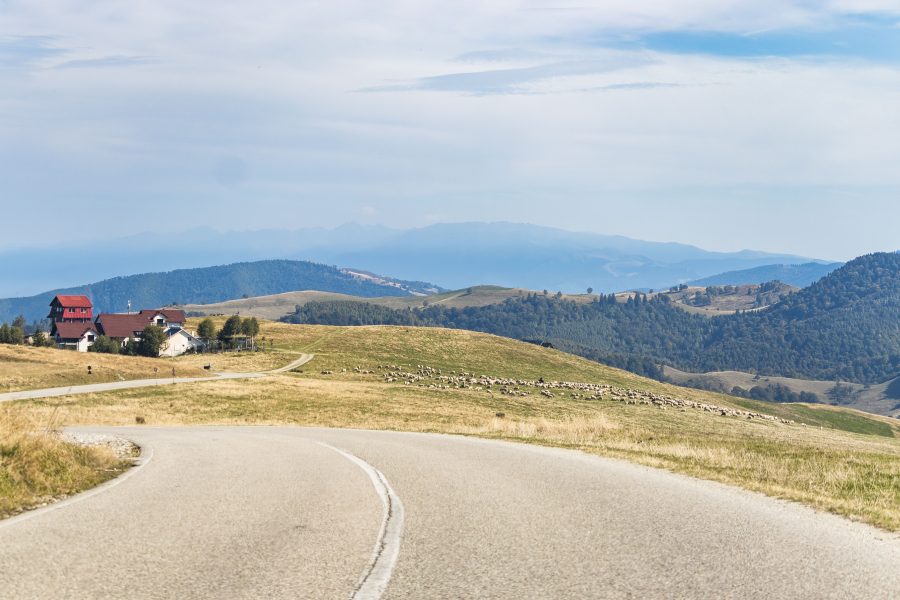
746 297
276 306
877 399
449 381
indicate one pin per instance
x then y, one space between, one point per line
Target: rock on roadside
123 448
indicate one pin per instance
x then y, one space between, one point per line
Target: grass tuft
37 467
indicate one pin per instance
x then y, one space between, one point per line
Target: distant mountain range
214 284
452 255
795 275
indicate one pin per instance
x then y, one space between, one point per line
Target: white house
75 336
178 341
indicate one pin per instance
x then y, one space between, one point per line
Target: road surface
93 388
221 512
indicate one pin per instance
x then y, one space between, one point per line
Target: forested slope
845 326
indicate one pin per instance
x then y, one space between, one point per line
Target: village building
73 328
71 322
75 336
123 327
178 341
71 309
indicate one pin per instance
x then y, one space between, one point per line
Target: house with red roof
71 309
75 336
72 322
74 329
129 326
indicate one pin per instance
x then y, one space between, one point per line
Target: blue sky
730 124
874 38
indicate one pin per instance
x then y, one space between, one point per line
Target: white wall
179 343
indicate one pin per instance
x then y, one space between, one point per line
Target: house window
160 321
90 337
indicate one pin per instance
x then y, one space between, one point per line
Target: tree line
17 331
844 327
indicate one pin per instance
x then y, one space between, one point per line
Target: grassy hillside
713 301
438 380
846 326
278 306
215 284
881 399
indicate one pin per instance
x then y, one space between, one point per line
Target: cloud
26 50
504 55
507 81
104 62
639 85
502 106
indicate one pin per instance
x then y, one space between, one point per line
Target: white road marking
375 579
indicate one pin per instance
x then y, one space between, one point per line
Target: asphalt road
92 388
274 513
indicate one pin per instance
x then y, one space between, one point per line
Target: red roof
73 331
122 326
73 301
126 325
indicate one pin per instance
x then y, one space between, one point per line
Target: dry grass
24 368
871 398
36 467
28 368
277 306
837 460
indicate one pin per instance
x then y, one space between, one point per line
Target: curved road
224 512
92 388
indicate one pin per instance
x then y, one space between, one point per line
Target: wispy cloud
105 62
639 85
505 55
22 51
509 81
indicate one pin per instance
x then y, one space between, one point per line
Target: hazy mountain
214 284
452 255
795 275
28 271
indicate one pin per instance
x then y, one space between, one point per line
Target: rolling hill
214 284
695 300
712 301
279 306
846 326
880 399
